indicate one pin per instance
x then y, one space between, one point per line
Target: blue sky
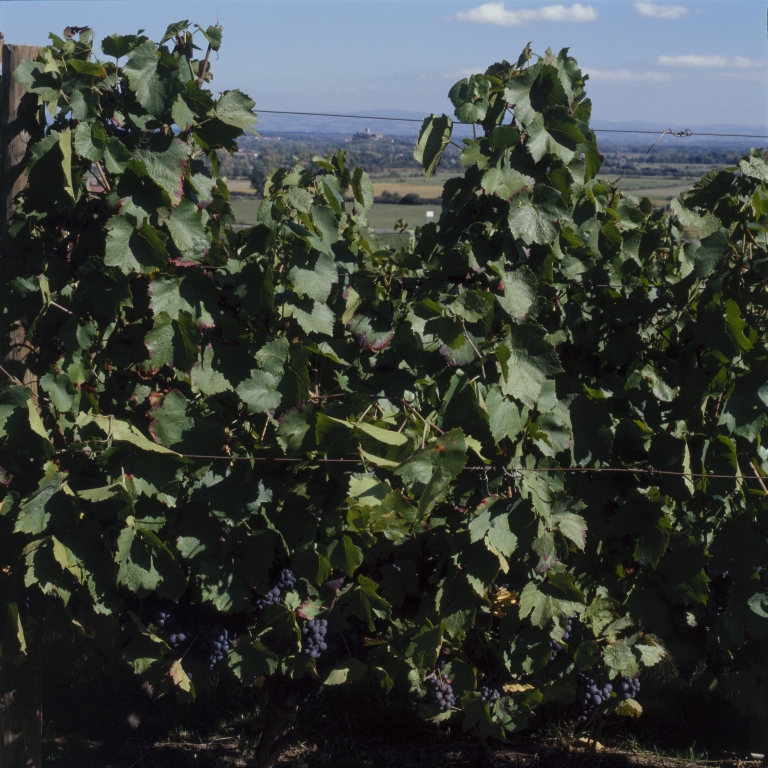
682 63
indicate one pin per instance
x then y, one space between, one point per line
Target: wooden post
17 126
21 710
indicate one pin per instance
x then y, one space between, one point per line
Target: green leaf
314 276
346 556
711 252
87 68
531 360
134 250
434 137
556 597
518 293
619 659
650 655
189 233
14 643
90 141
116 155
537 219
250 659
65 144
505 182
174 30
206 378
259 392
173 342
170 419
153 82
190 292
438 465
165 160
60 390
586 655
362 188
117 429
118 46
382 435
213 35
236 109
146 565
350 671
37 510
312 316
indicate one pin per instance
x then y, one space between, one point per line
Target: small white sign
430 214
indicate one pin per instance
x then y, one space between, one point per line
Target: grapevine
483 405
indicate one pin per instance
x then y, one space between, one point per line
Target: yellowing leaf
517 687
629 708
596 745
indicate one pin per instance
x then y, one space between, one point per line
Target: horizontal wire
421 120
649 471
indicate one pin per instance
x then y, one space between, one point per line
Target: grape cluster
178 639
162 617
215 644
440 692
285 581
495 588
590 694
488 694
554 646
313 638
628 688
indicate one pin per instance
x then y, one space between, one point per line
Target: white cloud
496 13
627 74
699 60
661 11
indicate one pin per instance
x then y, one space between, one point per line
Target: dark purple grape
440 692
488 694
214 644
590 694
285 581
313 640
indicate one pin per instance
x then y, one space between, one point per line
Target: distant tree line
374 156
378 156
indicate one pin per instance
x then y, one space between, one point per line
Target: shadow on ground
98 715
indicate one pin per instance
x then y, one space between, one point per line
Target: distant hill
392 122
382 121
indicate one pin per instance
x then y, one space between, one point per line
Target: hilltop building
366 134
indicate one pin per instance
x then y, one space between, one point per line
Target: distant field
659 189
383 216
241 186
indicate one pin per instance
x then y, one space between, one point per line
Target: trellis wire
509 471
